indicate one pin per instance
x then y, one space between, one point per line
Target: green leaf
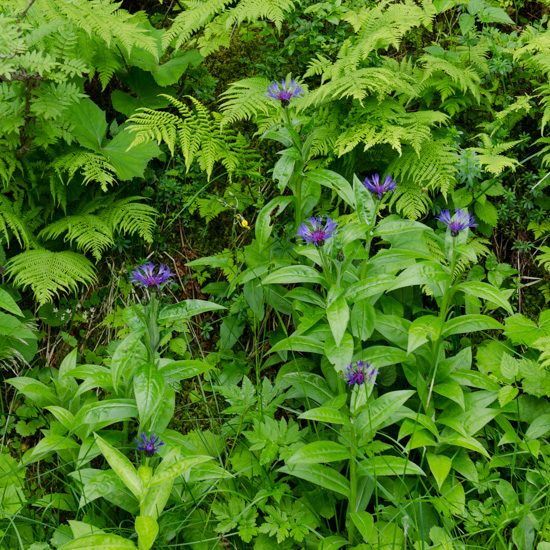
182 370
177 469
321 475
170 72
364 523
34 390
311 385
126 356
89 124
506 395
465 441
122 466
363 319
422 329
185 310
110 411
326 414
99 542
469 323
522 330
283 170
341 355
380 410
8 303
263 227
148 390
335 181
365 205
334 543
52 443
297 343
386 465
440 465
369 287
422 273
319 452
63 415
338 318
129 163
147 530
294 274
485 292
452 390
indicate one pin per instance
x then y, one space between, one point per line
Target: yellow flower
244 223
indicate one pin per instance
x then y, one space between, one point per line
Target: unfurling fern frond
50 273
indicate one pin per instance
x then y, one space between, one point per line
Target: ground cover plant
274 275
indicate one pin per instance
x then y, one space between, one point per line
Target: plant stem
353 483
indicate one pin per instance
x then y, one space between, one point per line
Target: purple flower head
145 276
461 220
359 373
374 185
315 233
151 445
284 91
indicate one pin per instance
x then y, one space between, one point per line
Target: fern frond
104 19
12 223
490 156
245 99
253 10
130 216
50 273
93 167
433 167
465 77
200 13
411 201
543 258
150 125
90 232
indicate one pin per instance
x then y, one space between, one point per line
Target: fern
49 273
433 167
218 21
465 77
94 232
129 216
245 100
490 156
13 224
197 131
93 167
90 232
543 259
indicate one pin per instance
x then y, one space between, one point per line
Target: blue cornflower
151 445
374 185
461 220
315 233
284 91
145 276
359 373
